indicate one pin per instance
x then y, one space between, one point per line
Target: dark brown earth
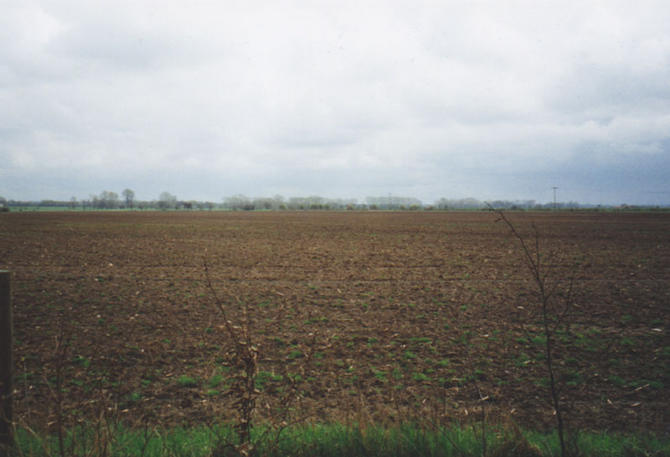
357 316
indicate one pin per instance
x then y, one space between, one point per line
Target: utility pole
554 197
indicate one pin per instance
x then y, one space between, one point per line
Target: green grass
333 440
420 377
421 340
187 381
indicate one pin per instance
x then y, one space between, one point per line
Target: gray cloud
343 100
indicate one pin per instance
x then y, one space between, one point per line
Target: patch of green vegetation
443 363
617 380
278 341
421 377
421 340
295 354
464 338
187 381
478 374
215 381
522 360
654 384
539 340
573 378
571 361
265 377
295 377
380 375
82 361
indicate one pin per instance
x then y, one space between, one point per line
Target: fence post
6 435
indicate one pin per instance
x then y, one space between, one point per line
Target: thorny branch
245 360
540 275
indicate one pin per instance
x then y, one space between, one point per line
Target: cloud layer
340 99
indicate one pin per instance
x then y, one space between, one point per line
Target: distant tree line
394 203
472 203
278 202
109 200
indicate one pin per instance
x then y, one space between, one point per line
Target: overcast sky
492 100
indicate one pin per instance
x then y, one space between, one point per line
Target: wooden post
6 435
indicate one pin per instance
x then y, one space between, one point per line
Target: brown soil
374 316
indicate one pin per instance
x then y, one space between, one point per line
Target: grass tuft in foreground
332 440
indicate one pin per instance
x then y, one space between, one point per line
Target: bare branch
546 290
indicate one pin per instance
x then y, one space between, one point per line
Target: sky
341 99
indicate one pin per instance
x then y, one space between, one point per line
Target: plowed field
357 316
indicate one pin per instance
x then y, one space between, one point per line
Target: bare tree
106 200
552 314
167 201
129 196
